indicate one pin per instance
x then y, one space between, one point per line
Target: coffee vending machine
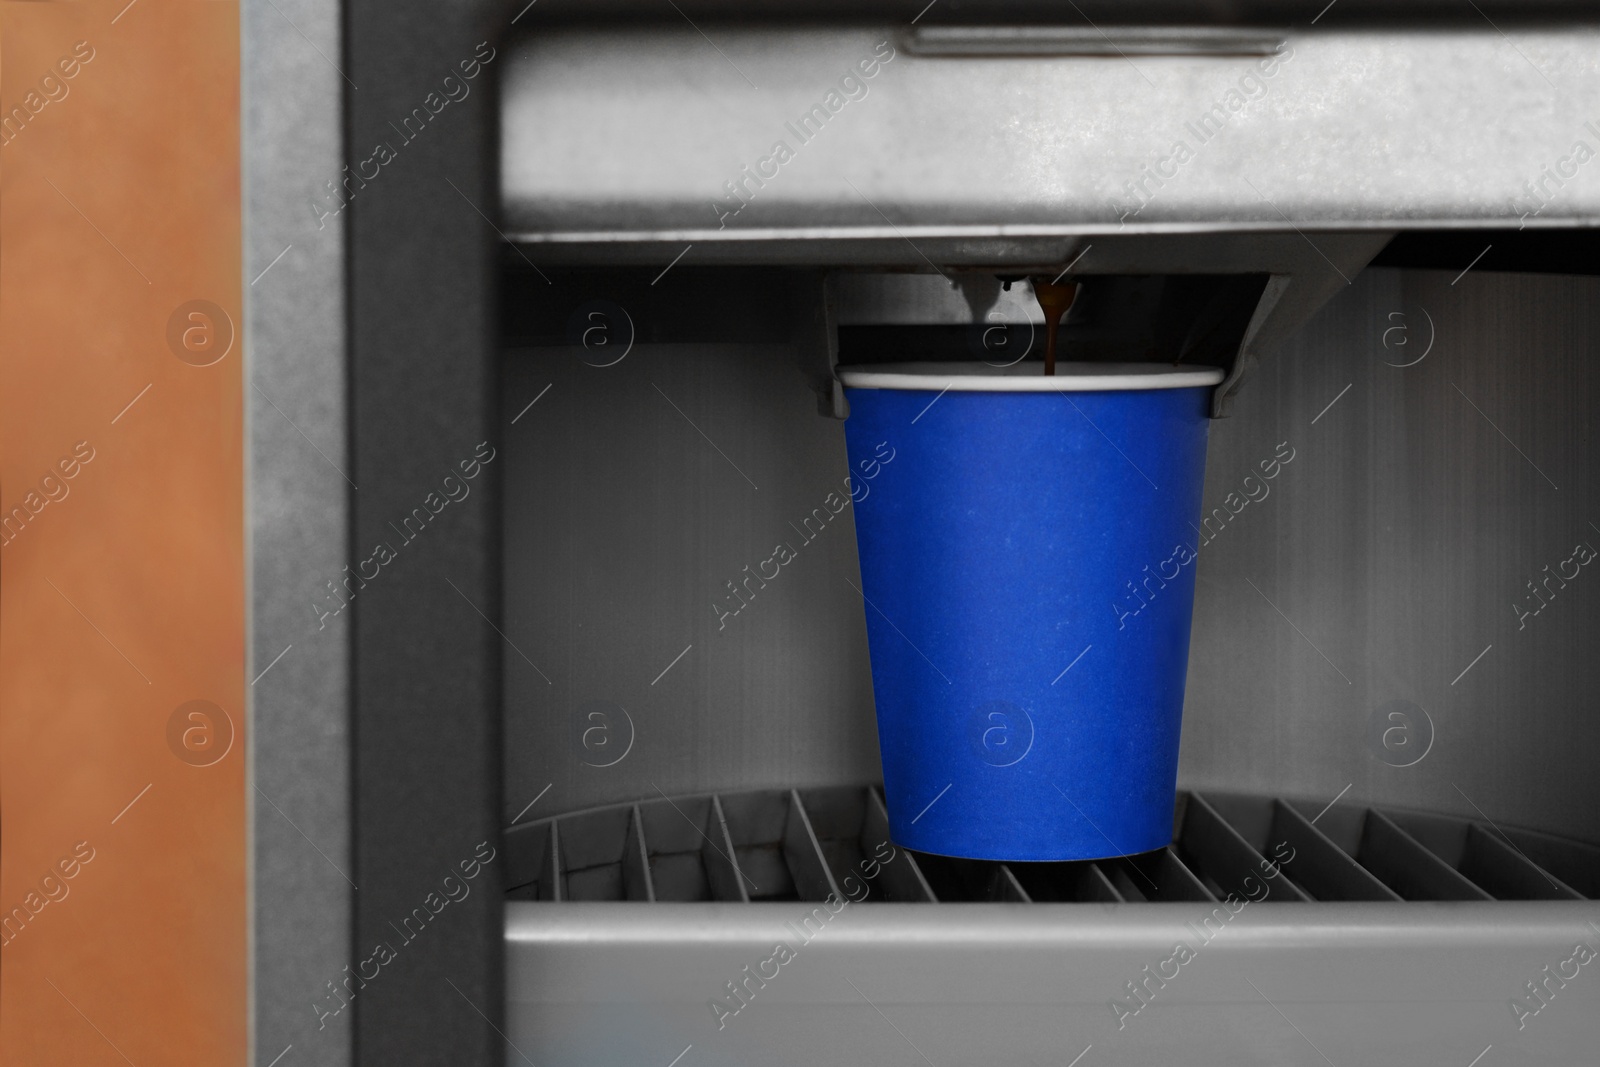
671 225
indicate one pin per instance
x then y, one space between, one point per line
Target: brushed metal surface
298 516
633 493
618 141
1028 984
1109 13
1390 552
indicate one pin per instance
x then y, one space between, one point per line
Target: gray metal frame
426 651
294 345
368 320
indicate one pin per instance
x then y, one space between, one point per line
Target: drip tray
782 927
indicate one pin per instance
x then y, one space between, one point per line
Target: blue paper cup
1028 557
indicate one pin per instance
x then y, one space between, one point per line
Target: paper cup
1028 561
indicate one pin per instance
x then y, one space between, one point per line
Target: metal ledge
620 141
1043 983
1185 13
1086 40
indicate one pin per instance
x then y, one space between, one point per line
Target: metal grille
774 845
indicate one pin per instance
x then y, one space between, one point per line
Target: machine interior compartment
1367 619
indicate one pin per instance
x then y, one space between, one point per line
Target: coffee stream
1055 300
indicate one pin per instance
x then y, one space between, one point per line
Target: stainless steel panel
618 142
1384 571
627 512
1033 984
298 515
1107 13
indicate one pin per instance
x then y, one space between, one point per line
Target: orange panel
122 880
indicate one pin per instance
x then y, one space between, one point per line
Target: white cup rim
976 377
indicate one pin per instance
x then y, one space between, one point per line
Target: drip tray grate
780 927
810 844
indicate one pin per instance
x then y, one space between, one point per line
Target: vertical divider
1007 889
637 883
1321 866
726 880
916 869
1503 870
1405 864
557 891
1161 876
803 852
1099 887
902 875
1219 852
1178 882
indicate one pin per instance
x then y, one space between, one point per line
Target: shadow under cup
1028 550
